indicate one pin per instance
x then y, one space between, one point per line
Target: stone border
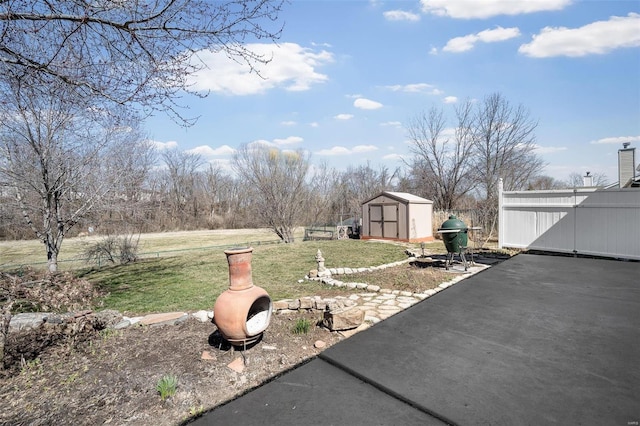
326 278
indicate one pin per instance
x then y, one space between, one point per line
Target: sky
347 77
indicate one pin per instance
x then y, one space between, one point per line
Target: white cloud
314 124
450 100
336 150
396 124
619 140
468 42
472 9
363 148
276 142
292 67
288 123
415 88
596 38
288 141
397 157
548 149
343 117
163 145
207 151
433 51
341 150
363 103
400 15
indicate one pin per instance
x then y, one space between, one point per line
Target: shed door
383 220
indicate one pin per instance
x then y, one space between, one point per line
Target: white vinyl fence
580 221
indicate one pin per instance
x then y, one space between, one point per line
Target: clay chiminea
243 311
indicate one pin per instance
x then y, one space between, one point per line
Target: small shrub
302 326
113 249
167 386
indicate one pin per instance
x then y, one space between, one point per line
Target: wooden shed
397 216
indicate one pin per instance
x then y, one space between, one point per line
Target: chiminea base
242 316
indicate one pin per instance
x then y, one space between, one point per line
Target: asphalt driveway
533 340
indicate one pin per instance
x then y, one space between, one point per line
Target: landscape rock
306 303
27 320
343 319
294 304
237 365
281 304
122 324
170 318
202 316
351 332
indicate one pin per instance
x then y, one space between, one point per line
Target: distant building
397 216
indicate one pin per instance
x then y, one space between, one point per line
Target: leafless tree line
75 78
119 183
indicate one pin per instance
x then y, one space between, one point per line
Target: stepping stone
162 319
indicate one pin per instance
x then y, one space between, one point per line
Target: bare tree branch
130 52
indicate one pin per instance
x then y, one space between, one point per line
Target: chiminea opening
259 316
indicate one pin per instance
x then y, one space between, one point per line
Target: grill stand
463 258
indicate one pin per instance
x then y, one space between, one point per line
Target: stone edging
327 279
315 303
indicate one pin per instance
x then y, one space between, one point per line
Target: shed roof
402 196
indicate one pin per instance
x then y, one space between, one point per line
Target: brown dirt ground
111 378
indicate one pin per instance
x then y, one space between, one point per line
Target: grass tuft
167 386
302 326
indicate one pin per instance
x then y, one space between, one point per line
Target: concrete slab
533 340
317 393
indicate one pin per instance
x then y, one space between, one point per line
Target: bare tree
183 181
504 143
129 52
576 180
441 164
278 179
322 183
359 183
544 183
59 160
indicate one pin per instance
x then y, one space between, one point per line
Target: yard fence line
587 221
84 261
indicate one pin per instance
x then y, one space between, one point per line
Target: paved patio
533 340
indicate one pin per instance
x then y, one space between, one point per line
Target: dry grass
14 254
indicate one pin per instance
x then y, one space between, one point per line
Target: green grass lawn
188 270
192 280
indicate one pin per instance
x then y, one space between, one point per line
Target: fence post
500 213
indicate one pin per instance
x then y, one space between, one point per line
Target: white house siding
584 221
